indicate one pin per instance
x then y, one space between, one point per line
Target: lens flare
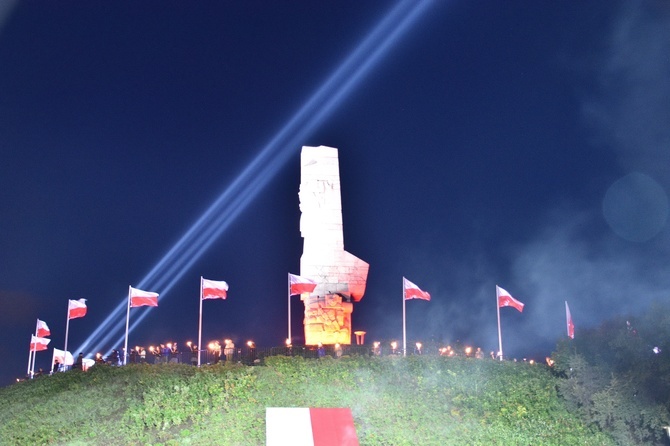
274 155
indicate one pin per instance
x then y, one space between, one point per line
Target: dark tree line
617 376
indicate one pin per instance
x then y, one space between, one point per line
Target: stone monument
340 276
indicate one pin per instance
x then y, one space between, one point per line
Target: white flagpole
32 370
35 351
404 329
32 366
200 324
500 350
30 350
30 358
125 345
289 307
67 330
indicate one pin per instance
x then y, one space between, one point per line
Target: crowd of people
161 353
216 352
170 352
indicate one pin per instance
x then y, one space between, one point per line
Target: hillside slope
424 400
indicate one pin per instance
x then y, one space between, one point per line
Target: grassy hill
418 400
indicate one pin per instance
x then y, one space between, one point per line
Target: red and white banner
568 321
298 426
42 329
505 299
214 289
76 308
412 291
38 344
139 298
300 284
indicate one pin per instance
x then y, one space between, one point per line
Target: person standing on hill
174 353
194 355
229 349
79 363
165 353
114 358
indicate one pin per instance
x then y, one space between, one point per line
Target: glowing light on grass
236 197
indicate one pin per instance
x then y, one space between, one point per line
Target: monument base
327 320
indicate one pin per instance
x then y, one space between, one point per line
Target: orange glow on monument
341 277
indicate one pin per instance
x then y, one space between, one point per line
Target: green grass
419 400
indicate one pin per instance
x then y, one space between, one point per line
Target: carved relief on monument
341 276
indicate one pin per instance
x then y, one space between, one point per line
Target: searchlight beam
248 184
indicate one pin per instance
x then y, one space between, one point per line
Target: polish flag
568 321
139 298
76 308
300 285
309 427
61 356
214 289
38 344
505 299
413 292
42 329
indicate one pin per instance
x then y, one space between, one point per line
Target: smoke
599 276
630 108
636 207
6 8
628 111
574 256
571 258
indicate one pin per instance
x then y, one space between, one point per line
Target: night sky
524 144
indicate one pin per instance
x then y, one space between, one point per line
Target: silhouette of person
79 363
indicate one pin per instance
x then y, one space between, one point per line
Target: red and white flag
214 289
61 356
42 329
505 299
412 291
300 284
299 426
139 298
568 321
76 308
38 344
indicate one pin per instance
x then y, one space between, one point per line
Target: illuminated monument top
341 276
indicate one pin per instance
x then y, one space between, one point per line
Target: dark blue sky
523 144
